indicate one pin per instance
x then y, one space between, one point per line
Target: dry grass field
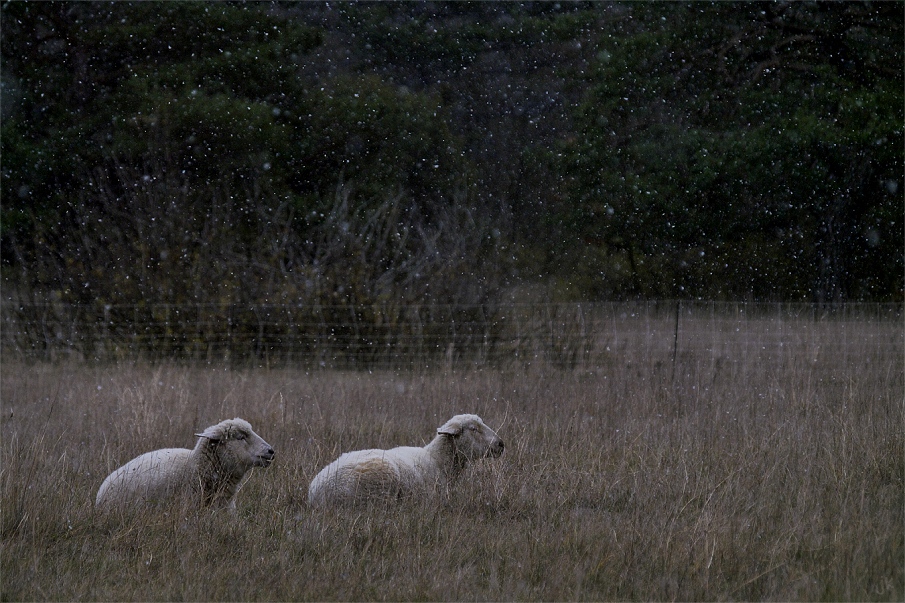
726 471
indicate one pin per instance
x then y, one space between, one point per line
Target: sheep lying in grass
213 470
398 472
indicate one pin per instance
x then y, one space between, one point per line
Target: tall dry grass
733 472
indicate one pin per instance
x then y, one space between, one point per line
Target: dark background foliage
451 152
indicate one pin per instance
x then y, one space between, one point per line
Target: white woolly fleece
367 474
212 471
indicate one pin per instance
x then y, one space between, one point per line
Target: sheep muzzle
496 449
266 458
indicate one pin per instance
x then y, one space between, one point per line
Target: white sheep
368 474
212 471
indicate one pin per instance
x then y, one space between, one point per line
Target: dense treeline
451 152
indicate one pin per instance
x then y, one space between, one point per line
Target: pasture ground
717 474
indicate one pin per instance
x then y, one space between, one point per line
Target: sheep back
374 473
152 477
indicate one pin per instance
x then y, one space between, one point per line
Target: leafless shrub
149 256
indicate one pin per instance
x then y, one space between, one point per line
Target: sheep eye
241 436
473 427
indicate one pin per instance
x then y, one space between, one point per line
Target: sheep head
237 444
473 439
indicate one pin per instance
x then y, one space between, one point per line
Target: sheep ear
451 428
211 434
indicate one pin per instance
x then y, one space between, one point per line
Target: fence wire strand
395 336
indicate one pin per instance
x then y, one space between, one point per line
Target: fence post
675 340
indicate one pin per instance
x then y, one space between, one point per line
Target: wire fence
564 335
